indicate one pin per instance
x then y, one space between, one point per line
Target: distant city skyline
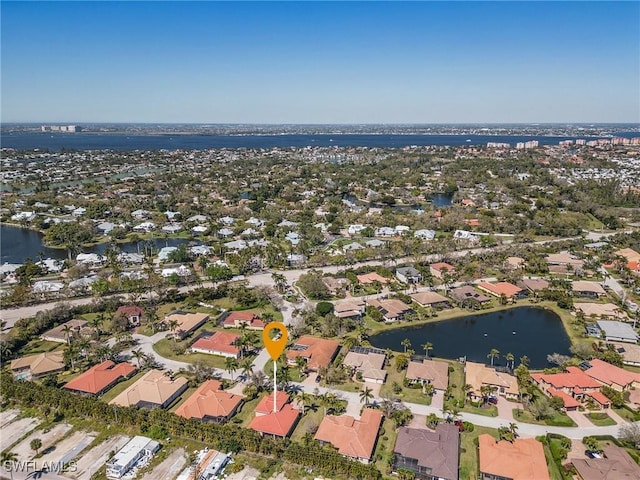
320 62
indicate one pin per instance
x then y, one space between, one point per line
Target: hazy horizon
320 63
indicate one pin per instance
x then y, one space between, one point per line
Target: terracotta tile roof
599 397
209 400
99 377
478 374
436 372
250 319
222 342
628 253
319 352
154 387
437 451
265 405
521 460
609 374
499 288
568 400
279 424
353 438
129 311
428 298
40 363
573 377
372 277
440 266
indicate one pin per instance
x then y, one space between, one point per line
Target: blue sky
324 62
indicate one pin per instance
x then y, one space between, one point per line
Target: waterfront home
439 269
431 372
630 353
522 459
615 377
353 438
38 365
210 403
428 454
220 343
317 352
478 374
279 422
155 389
100 378
368 362
533 285
144 227
392 309
467 296
431 299
617 331
601 310
580 288
498 289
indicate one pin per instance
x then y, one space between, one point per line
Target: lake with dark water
18 244
122 142
531 331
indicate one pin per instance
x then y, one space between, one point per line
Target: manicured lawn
558 420
456 383
554 473
121 387
246 413
487 410
410 395
627 414
163 348
384 448
294 373
308 423
469 451
600 419
40 346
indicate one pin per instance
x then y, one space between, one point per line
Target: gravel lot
94 459
70 446
169 468
23 450
15 430
7 416
247 473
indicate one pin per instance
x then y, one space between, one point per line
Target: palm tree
427 347
301 364
406 343
524 360
35 444
8 459
67 330
138 355
494 353
96 323
365 395
513 428
231 365
510 358
173 326
279 280
467 390
247 367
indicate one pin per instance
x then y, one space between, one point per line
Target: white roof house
227 220
90 259
163 254
385 232
225 232
197 218
28 216
144 227
172 228
45 286
137 448
425 234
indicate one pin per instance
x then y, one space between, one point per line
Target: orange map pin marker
275 347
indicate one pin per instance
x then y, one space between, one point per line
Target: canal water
531 331
18 244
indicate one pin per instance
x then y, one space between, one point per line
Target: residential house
439 269
279 422
408 275
601 310
370 278
100 378
351 308
514 263
564 259
132 313
430 455
335 285
392 309
628 253
210 403
425 234
431 299
78 327
478 374
248 320
430 372
134 451
38 365
617 331
522 459
615 463
187 322
369 362
220 343
155 389
317 352
615 377
581 288
533 285
630 353
573 386
498 289
467 296
353 438
384 232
